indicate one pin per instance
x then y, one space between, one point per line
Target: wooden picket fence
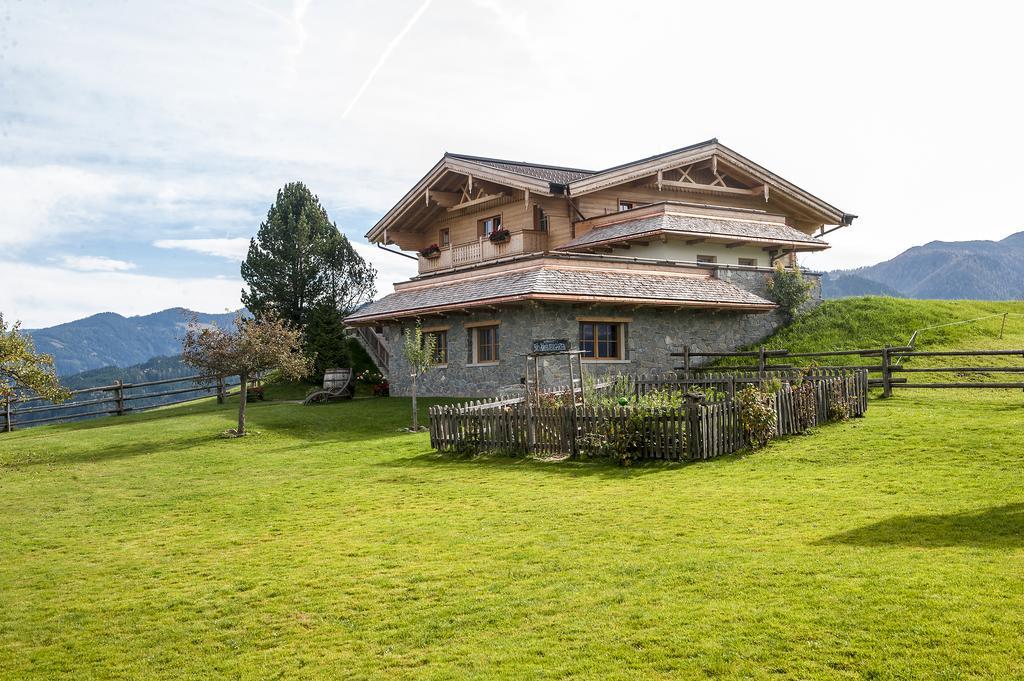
699 429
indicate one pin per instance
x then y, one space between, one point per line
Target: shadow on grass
996 527
567 467
111 452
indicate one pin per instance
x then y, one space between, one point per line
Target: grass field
331 545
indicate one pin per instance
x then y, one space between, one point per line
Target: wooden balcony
483 249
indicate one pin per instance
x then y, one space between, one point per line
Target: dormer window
488 226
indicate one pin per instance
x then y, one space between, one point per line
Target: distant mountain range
110 340
945 270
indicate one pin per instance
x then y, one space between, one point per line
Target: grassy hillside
872 322
331 545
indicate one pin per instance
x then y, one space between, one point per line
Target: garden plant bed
653 417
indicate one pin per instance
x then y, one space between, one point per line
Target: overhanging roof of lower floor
674 220
563 283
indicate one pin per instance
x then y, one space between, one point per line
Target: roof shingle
537 171
686 224
698 291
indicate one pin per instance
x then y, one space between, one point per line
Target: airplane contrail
384 56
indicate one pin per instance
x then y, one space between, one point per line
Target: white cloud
106 120
95 263
388 49
390 267
232 249
43 201
59 295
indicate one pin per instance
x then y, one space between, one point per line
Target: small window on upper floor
748 262
626 205
488 226
540 219
444 238
707 259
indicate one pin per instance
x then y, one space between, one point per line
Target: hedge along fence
698 429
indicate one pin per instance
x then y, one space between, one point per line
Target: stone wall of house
652 333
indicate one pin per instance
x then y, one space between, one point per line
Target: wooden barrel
335 379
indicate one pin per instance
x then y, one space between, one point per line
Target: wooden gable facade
545 208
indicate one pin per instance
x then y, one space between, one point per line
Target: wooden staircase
375 346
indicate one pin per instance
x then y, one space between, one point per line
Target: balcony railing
483 249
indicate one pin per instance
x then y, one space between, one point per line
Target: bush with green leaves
757 414
788 288
840 405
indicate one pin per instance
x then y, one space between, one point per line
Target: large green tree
299 260
326 344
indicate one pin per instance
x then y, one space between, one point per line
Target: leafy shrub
840 406
757 414
788 288
805 404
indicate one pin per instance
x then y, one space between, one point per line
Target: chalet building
628 263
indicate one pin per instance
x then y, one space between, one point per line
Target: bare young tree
255 346
419 350
22 368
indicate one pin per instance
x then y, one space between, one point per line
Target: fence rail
890 359
699 429
117 399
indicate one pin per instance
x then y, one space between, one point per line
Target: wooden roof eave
457 165
642 169
560 298
702 236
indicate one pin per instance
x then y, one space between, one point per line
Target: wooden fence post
693 435
1002 327
760 360
119 391
886 373
8 423
686 358
220 390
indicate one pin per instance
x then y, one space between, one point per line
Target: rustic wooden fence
884 364
115 399
699 429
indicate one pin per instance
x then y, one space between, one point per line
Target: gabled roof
694 153
548 180
563 283
523 176
556 174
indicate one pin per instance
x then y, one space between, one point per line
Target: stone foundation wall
652 333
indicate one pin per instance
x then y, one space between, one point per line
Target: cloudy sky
141 143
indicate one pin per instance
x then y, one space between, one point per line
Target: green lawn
331 545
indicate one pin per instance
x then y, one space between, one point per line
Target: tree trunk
415 414
243 393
